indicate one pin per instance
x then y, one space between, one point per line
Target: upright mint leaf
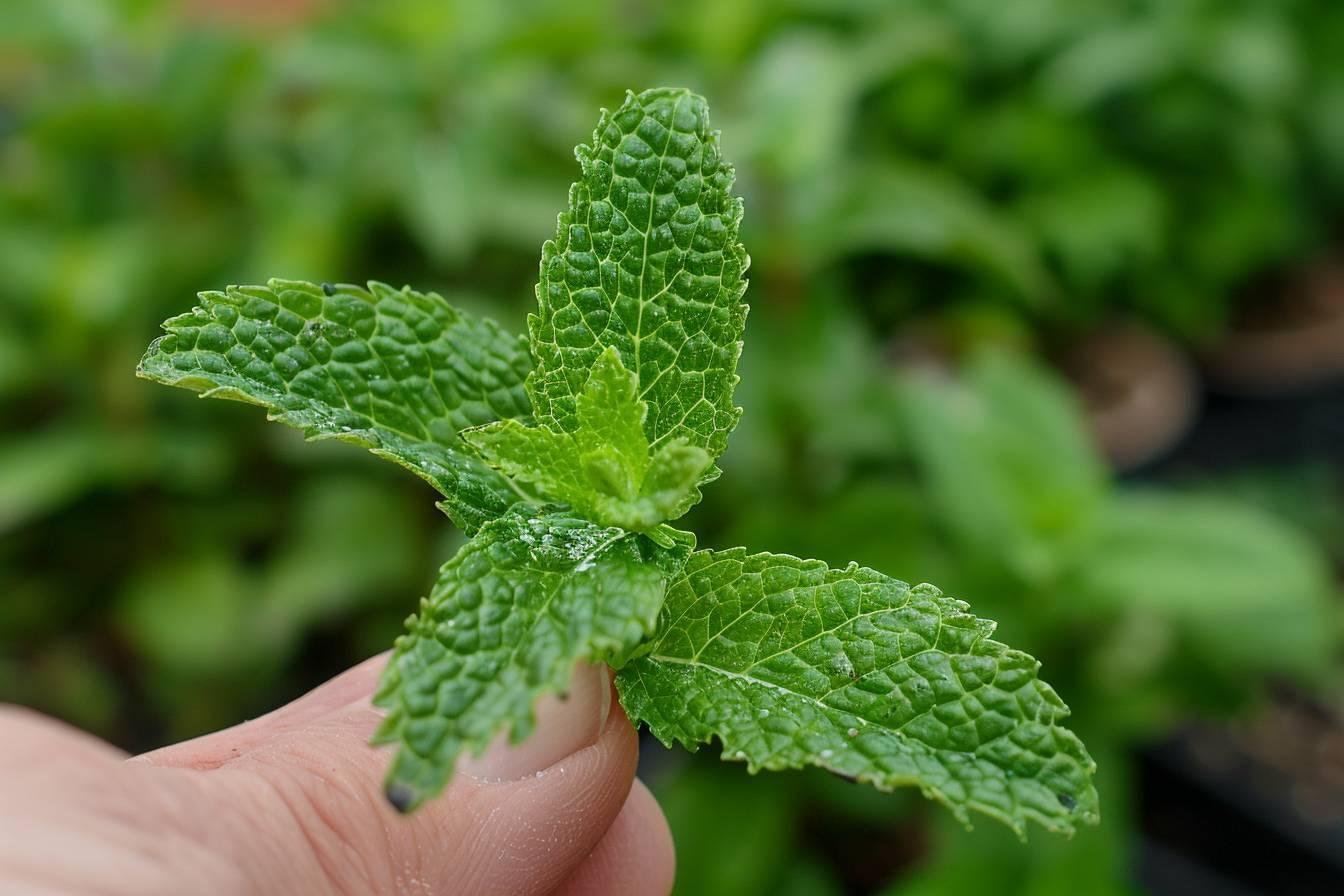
508 618
646 260
604 468
397 371
790 663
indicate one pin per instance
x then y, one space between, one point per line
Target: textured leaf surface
790 663
647 259
397 371
603 469
505 623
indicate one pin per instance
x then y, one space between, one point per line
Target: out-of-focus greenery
1018 171
1144 606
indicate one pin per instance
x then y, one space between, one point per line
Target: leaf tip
401 797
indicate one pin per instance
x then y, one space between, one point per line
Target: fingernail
564 726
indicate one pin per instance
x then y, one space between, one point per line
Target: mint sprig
567 455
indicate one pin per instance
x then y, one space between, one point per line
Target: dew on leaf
842 665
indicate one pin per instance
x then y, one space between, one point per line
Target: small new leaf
508 618
790 663
396 371
646 260
605 468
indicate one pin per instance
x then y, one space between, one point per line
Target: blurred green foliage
1145 606
1019 172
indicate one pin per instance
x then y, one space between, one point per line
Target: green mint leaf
646 260
790 663
508 618
396 371
534 456
603 469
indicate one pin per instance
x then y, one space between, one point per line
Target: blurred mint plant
565 457
1148 603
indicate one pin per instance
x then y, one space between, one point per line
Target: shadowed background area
1047 308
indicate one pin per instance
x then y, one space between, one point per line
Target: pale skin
292 803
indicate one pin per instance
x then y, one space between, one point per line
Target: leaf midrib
648 229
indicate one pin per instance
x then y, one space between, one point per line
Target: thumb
519 819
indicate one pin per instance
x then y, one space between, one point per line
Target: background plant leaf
1247 591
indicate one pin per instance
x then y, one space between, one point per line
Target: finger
518 820
216 749
28 739
133 829
635 858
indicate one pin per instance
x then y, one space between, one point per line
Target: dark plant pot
1293 342
1259 801
1138 391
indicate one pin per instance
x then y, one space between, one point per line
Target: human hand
292 803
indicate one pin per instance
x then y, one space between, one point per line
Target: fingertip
636 857
485 835
528 835
563 725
